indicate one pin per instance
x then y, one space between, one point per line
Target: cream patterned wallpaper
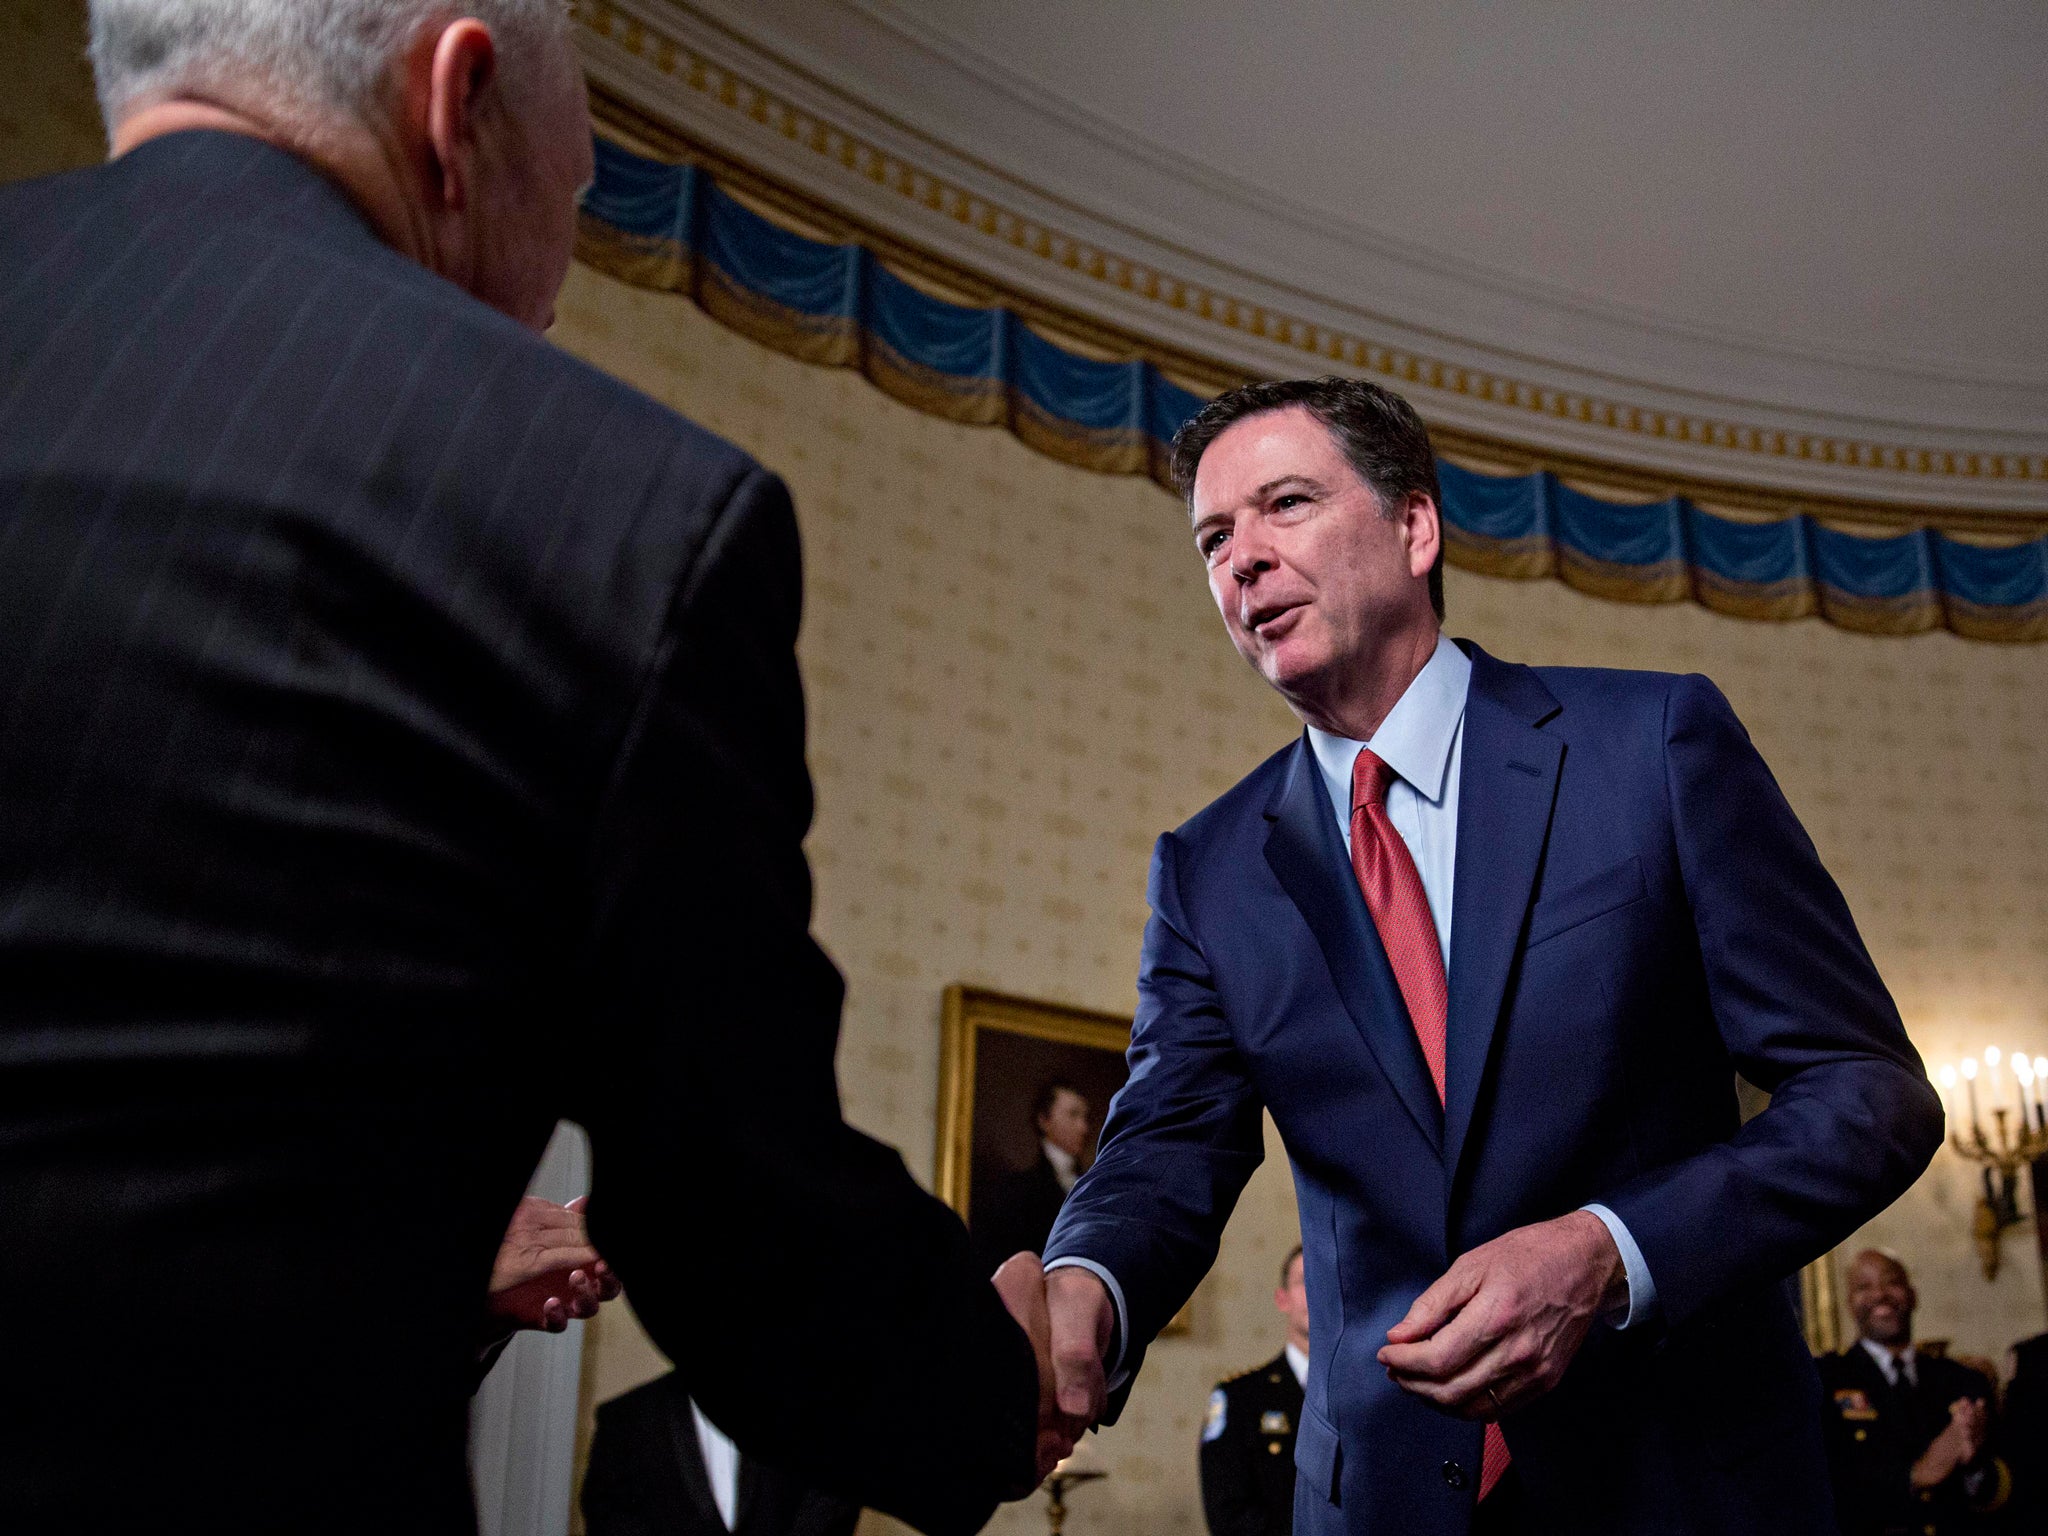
1016 681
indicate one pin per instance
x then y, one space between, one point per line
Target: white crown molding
1199 208
1578 381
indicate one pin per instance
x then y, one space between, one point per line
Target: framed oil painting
1023 1087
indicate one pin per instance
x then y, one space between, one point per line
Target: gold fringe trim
1668 581
664 264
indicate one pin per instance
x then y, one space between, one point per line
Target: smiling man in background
1909 1433
1491 942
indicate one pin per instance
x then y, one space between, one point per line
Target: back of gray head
308 56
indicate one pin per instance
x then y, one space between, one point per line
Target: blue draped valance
672 227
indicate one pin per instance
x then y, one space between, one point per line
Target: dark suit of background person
1637 917
1876 1430
647 1477
2024 1434
1247 1456
379 689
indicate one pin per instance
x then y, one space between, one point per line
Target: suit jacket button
1454 1475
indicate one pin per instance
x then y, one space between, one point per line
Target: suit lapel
747 1491
1506 789
1306 853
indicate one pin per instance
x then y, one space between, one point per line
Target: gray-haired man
380 689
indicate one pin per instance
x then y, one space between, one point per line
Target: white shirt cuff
1113 1369
1642 1290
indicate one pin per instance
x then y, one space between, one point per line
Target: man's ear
1424 525
462 68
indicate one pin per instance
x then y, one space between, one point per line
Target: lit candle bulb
1969 1071
2041 1093
2022 1080
1947 1079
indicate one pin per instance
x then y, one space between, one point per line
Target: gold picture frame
1820 1305
997 1051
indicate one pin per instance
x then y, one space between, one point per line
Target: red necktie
1400 910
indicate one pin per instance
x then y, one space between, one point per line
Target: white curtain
522 1425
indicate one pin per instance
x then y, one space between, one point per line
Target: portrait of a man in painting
1024 1088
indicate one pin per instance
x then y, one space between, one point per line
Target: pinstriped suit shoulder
224 402
214 293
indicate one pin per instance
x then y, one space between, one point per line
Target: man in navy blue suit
1491 943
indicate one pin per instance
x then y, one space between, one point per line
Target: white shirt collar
1415 739
1890 1364
1297 1362
721 1465
1064 1168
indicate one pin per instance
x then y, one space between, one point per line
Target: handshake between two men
1498 1328
1494 1333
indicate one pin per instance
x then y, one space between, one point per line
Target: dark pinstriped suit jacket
401 746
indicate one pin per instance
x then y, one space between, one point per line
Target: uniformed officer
1248 1437
1909 1433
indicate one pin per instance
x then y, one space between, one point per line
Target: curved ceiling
1800 247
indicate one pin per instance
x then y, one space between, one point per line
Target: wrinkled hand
1021 1282
1082 1319
546 1271
1498 1329
1960 1443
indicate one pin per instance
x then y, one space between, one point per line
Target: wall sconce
2019 1135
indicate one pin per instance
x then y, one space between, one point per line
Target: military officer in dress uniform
1248 1437
1908 1433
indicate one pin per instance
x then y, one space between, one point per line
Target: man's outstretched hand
546 1271
1082 1318
1498 1329
1021 1282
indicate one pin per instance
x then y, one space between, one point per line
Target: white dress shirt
1905 1362
1297 1362
721 1465
1423 741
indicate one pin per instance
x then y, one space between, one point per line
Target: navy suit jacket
1638 917
401 747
